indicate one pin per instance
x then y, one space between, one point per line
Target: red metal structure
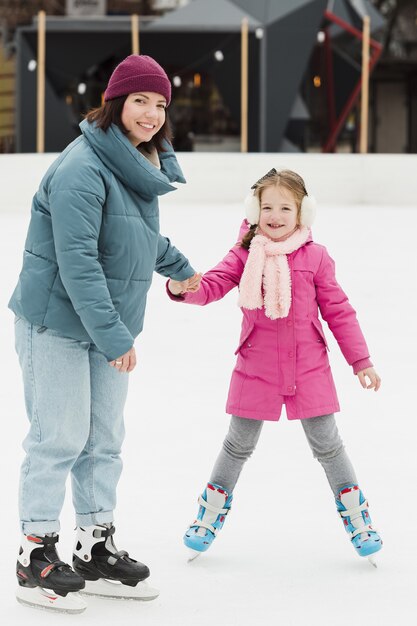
336 125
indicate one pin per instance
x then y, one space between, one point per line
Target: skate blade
372 560
47 600
192 555
117 591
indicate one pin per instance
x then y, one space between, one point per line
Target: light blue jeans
74 402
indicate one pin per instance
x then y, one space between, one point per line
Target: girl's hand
194 282
178 287
126 362
370 373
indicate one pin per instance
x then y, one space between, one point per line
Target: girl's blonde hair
282 178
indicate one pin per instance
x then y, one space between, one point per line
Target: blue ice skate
215 503
353 509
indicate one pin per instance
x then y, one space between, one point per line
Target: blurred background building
304 70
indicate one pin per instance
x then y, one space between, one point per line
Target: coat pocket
315 322
244 337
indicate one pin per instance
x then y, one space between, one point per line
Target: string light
32 65
215 53
82 88
259 33
317 81
321 36
177 82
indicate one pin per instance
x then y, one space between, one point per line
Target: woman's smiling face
143 115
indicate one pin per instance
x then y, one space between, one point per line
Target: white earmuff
308 211
252 208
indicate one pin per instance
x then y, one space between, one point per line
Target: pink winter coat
284 361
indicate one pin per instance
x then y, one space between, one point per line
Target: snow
283 556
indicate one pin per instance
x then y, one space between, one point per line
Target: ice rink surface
283 557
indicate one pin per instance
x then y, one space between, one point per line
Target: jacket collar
129 165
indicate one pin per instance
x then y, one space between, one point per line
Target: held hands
126 362
371 374
178 287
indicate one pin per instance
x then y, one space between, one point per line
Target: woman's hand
178 287
126 362
370 373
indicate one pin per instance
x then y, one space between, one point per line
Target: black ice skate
108 572
44 580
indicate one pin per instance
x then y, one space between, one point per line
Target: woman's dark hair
110 112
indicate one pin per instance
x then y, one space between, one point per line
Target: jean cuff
40 528
90 519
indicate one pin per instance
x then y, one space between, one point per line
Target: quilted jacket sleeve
216 283
76 211
337 311
170 262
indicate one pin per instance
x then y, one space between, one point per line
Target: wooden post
135 33
244 88
40 110
363 144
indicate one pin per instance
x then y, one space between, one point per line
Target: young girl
284 278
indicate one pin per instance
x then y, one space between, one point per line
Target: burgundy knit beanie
138 72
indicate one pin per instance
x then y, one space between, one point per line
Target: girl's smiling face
279 212
143 115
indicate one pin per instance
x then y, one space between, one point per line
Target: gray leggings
321 433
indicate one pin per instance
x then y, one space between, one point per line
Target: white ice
283 556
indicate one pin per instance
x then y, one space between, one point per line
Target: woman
92 246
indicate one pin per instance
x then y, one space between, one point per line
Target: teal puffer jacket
93 241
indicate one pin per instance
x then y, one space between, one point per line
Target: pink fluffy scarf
267 267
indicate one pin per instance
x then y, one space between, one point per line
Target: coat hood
129 165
